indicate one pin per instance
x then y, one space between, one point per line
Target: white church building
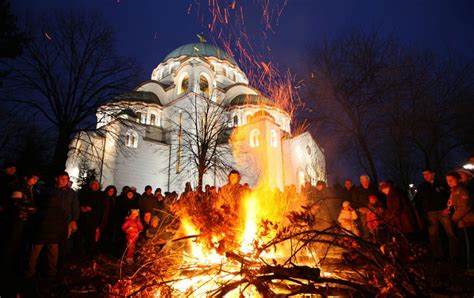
138 138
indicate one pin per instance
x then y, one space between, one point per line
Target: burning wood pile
258 243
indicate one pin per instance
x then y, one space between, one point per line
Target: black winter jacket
51 221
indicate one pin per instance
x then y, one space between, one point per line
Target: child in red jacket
132 228
373 215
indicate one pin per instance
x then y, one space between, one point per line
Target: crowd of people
59 222
440 213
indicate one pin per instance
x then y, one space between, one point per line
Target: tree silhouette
68 68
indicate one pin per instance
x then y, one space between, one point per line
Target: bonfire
264 244
260 242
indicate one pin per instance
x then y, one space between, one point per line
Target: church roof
250 99
142 96
200 50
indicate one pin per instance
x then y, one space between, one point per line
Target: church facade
140 136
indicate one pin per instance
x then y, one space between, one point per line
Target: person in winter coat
92 203
399 213
459 203
430 201
347 218
152 229
230 194
109 217
467 180
147 203
459 209
360 199
48 231
349 190
127 203
373 214
160 204
23 208
7 181
70 206
132 228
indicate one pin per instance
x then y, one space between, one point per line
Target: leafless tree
350 79
395 108
439 108
202 131
68 68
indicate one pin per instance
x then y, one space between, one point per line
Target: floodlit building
139 138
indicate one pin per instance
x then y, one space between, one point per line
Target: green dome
200 50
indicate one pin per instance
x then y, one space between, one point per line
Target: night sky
149 29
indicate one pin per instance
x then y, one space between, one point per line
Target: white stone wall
145 165
154 163
299 160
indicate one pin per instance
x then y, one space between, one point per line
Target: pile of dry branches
298 259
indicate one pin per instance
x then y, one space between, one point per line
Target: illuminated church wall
141 143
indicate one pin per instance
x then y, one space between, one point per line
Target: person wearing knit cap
347 218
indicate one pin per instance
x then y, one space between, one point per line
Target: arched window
131 139
183 85
139 117
273 138
152 119
235 119
204 85
254 138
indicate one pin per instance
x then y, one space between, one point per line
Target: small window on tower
254 138
183 86
131 139
139 117
236 120
152 119
274 138
204 85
